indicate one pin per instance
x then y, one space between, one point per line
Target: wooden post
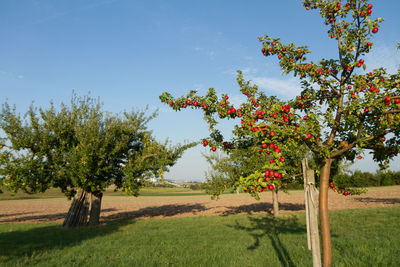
311 214
275 202
304 164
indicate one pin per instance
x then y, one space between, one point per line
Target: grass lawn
363 237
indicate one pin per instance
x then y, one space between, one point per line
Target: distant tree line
365 179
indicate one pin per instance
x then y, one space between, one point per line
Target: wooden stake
311 214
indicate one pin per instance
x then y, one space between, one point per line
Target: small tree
227 170
262 159
81 150
341 111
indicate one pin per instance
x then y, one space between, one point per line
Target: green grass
363 237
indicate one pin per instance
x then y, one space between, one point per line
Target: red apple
375 30
264 145
270 187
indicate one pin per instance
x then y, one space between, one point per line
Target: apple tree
81 150
226 169
259 159
345 109
341 111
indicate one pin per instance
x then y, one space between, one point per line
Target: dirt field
117 207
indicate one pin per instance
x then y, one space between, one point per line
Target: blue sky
129 52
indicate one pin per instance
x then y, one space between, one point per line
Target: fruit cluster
340 189
273 146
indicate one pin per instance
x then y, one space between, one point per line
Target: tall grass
364 237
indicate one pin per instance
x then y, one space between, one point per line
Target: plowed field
125 207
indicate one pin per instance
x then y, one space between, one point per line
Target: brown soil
118 207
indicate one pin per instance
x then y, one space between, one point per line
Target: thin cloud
245 71
248 58
11 75
249 71
383 56
210 53
285 88
237 100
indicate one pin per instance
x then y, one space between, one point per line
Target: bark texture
275 202
79 210
95 208
323 214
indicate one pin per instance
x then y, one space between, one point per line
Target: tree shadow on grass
156 211
272 228
21 240
260 207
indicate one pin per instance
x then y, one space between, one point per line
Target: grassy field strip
360 237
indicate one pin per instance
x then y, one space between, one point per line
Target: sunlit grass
360 237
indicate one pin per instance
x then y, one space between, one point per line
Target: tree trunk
95 208
79 210
275 202
323 213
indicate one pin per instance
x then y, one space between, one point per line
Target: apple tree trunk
275 202
323 213
95 207
78 211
